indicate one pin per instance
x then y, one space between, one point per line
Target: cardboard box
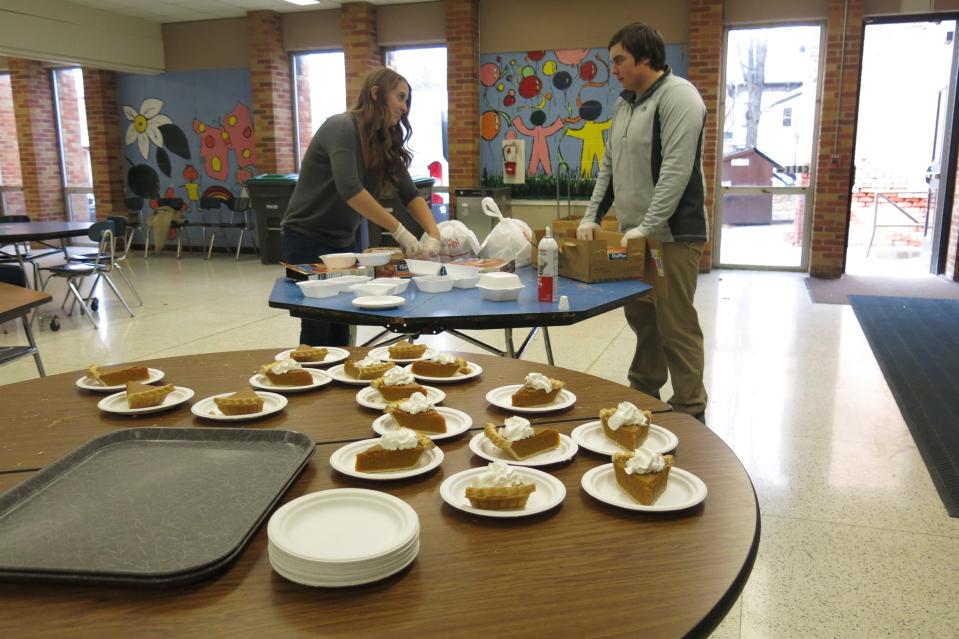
301 272
567 225
489 265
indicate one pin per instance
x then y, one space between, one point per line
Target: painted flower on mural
145 125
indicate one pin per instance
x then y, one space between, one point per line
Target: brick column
103 129
272 93
952 248
304 104
361 51
705 57
462 85
12 202
32 87
837 135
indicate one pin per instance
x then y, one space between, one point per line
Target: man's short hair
642 41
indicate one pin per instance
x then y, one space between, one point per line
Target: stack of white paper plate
343 537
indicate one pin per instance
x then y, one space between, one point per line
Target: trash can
270 194
379 236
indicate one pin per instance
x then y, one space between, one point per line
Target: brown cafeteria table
583 568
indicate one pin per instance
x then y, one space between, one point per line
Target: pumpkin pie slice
535 442
304 353
499 487
407 350
366 368
626 425
534 391
396 392
141 395
286 372
244 402
443 365
397 450
118 374
642 474
417 413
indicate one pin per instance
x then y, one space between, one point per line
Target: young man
653 171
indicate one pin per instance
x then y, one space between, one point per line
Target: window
320 91
787 116
11 192
74 144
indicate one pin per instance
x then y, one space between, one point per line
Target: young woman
354 158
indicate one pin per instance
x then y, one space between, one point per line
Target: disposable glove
585 230
429 247
631 234
406 240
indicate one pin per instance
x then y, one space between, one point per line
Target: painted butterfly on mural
235 133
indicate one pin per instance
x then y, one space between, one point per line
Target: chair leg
179 244
83 303
116 291
130 285
146 243
239 243
33 345
209 250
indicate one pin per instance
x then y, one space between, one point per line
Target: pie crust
295 377
525 396
118 374
144 396
377 459
429 368
396 392
430 421
407 350
541 441
500 497
304 353
628 436
366 372
644 488
244 402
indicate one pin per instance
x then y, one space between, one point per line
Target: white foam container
320 288
500 280
465 281
423 267
399 283
434 283
339 260
500 294
378 258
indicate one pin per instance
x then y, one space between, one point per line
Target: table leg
549 347
33 345
352 334
508 334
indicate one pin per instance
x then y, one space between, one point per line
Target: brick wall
103 127
37 139
361 52
303 103
836 143
272 93
705 55
952 249
462 71
12 201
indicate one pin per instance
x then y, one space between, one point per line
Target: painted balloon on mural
528 71
549 67
489 125
590 110
588 71
536 56
509 101
562 80
489 74
530 86
571 56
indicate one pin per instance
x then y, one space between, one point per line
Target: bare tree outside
753 65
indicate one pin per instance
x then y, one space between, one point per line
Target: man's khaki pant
669 339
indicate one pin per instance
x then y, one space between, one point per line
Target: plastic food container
434 283
379 258
339 260
500 294
500 280
320 288
423 267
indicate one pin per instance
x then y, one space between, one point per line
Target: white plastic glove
585 230
631 234
406 241
430 247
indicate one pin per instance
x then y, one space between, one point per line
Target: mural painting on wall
559 101
191 139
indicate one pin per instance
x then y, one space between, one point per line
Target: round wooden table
583 568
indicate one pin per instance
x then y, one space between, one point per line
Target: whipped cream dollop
516 428
397 376
399 439
644 461
538 381
442 358
625 415
285 366
369 361
417 403
497 474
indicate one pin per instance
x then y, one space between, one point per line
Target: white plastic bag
458 241
510 239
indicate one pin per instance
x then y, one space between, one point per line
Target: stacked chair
239 221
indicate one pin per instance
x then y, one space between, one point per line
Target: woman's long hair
384 153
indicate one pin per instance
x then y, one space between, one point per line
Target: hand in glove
585 230
406 241
631 234
429 247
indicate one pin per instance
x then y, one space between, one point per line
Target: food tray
148 507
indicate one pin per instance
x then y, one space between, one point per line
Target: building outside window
11 183
320 83
74 144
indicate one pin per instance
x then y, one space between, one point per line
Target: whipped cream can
547 274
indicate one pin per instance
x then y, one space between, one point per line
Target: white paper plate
371 397
343 525
457 422
328 582
378 301
206 407
88 383
333 355
117 403
683 490
549 492
475 371
343 573
320 378
337 373
344 460
591 437
483 447
502 397
383 353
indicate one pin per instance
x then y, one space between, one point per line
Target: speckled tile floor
855 541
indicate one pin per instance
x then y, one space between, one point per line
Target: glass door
769 113
74 145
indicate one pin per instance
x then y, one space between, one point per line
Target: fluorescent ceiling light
303 2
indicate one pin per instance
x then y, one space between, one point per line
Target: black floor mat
916 342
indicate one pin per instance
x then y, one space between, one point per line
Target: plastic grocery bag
510 239
458 241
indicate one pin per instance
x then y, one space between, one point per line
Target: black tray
147 506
